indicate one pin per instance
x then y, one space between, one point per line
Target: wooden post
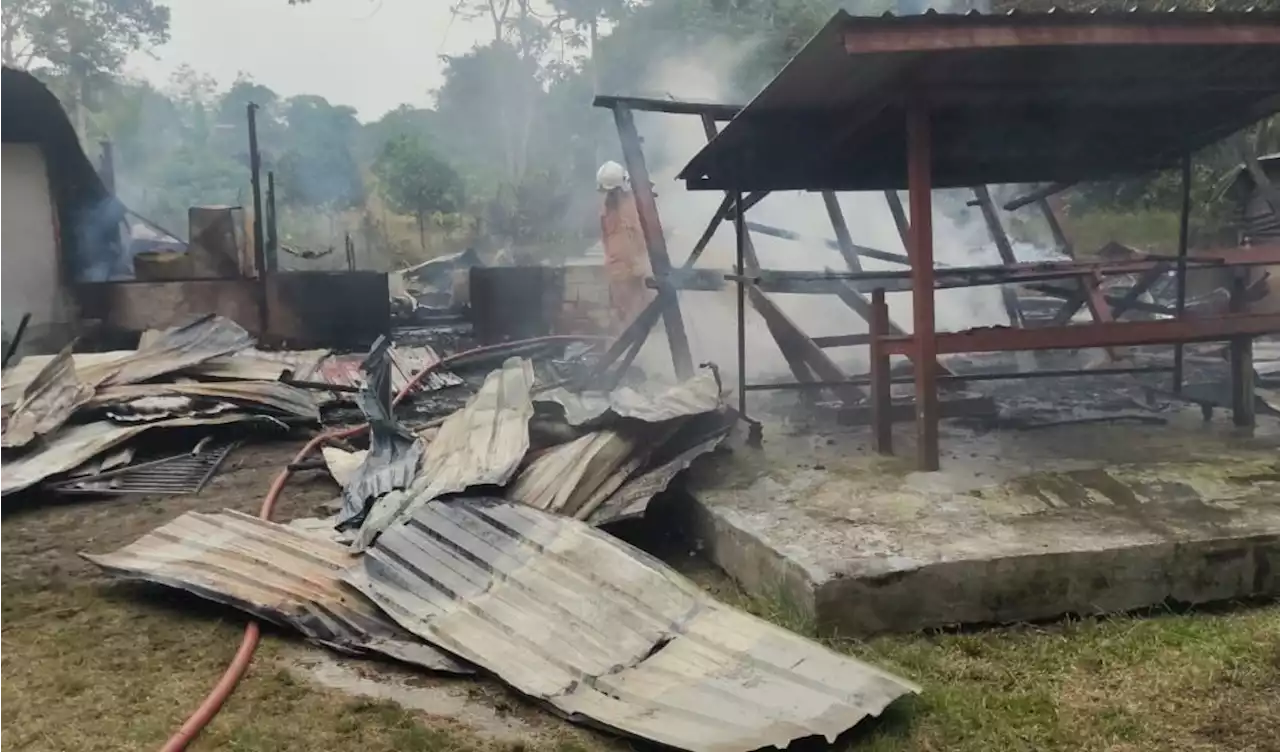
844 241
1055 228
1003 247
654 240
899 217
1243 399
920 187
881 377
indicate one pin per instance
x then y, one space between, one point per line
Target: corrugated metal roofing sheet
606 633
632 498
482 444
261 365
268 397
1014 99
20 375
651 402
274 572
175 349
576 477
391 462
50 398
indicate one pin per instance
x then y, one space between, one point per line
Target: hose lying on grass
212 703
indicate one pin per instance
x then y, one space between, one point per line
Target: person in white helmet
626 258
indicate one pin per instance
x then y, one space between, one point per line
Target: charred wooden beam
655 241
1039 194
715 110
1003 247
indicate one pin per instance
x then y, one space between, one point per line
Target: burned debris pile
471 540
76 421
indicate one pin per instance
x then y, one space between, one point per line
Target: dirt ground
94 664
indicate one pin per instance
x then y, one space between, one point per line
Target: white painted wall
29 259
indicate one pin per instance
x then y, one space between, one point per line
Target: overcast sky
370 54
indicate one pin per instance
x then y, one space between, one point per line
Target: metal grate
185 473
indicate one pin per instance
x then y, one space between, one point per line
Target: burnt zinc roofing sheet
275 573
1013 99
606 633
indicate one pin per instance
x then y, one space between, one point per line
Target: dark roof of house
1015 98
88 213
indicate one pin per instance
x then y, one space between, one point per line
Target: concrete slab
1019 525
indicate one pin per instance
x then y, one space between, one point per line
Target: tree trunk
422 229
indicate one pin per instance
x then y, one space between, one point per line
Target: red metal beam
919 200
973 35
1118 334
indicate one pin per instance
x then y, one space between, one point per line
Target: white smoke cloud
710 318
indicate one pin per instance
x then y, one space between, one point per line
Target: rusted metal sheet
606 634
274 572
651 402
482 444
51 398
406 363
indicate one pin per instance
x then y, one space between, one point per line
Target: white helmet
611 175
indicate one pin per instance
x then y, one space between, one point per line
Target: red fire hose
249 643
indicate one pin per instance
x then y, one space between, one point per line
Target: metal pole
259 243
255 183
1183 220
273 232
740 237
920 186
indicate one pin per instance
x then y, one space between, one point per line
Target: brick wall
583 301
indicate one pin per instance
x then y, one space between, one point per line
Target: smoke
710 318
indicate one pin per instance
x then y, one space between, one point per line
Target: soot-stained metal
609 635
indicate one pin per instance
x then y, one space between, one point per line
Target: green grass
1204 680
91 665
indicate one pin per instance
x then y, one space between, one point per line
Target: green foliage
416 181
82 37
317 168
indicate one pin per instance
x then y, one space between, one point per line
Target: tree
318 168
83 42
587 14
405 120
415 181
